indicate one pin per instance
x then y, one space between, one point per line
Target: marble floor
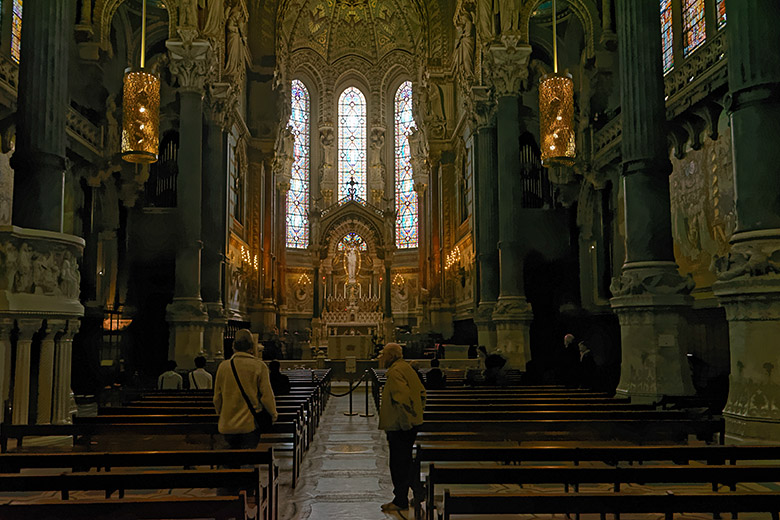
344 473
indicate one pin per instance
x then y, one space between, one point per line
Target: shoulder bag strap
193 381
241 388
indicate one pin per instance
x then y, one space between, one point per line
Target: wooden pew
603 503
219 508
578 475
84 461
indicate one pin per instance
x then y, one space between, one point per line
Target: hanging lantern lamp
140 110
556 111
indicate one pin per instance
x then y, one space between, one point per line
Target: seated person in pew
435 378
279 382
199 378
241 392
400 415
170 380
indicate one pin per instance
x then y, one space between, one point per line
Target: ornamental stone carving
507 65
284 154
657 281
746 260
189 63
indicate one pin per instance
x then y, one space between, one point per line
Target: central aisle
344 473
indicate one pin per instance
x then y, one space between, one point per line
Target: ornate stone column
45 389
21 390
283 187
214 211
748 286
487 214
63 354
512 313
650 296
39 160
389 330
187 315
5 360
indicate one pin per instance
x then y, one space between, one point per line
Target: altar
339 347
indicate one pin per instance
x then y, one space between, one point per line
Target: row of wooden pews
160 420
552 440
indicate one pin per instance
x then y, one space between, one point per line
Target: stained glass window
16 31
405 196
298 196
352 145
666 34
721 5
693 25
352 239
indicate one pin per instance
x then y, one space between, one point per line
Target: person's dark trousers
401 443
238 441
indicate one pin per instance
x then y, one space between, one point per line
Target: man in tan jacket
236 421
400 415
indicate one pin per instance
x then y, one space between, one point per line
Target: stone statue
327 167
70 278
418 144
285 152
188 13
215 17
375 164
464 45
486 20
235 42
352 264
510 15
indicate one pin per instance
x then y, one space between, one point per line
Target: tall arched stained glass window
298 196
352 145
666 35
16 31
406 233
721 14
693 25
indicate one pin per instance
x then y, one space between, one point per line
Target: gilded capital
483 107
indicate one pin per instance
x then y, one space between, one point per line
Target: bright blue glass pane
298 196
406 226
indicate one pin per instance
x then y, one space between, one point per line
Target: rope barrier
351 388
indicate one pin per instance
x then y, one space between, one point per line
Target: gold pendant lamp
140 110
556 111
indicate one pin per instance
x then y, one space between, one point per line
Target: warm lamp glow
556 117
140 117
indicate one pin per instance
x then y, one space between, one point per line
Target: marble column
39 159
21 377
748 286
389 329
650 296
187 315
283 188
63 355
423 317
46 365
215 233
512 314
487 215
267 312
5 361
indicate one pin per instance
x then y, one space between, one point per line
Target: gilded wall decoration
300 292
404 292
703 208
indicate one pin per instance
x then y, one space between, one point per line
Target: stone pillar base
263 317
486 328
752 302
513 316
214 333
441 319
653 332
187 320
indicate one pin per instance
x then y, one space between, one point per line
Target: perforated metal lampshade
556 117
140 117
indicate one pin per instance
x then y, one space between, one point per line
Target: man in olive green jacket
400 415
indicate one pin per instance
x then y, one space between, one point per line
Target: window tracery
352 240
406 204
694 25
352 146
721 13
666 35
298 194
16 31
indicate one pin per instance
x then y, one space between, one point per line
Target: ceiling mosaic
368 28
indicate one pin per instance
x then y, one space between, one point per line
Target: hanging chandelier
556 111
140 110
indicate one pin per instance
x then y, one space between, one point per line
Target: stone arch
104 12
585 10
351 223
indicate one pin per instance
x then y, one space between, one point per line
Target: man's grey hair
244 341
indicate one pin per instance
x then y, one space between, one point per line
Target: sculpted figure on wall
285 153
328 166
486 19
464 45
375 164
214 17
188 13
235 42
509 14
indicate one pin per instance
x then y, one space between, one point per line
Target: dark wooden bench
563 405
106 461
577 475
604 503
218 508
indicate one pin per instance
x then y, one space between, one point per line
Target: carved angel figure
285 152
464 45
235 42
215 17
509 15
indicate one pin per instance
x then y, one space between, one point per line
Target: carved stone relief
38 267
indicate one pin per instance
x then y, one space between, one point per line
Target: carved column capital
507 63
483 107
189 63
222 103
